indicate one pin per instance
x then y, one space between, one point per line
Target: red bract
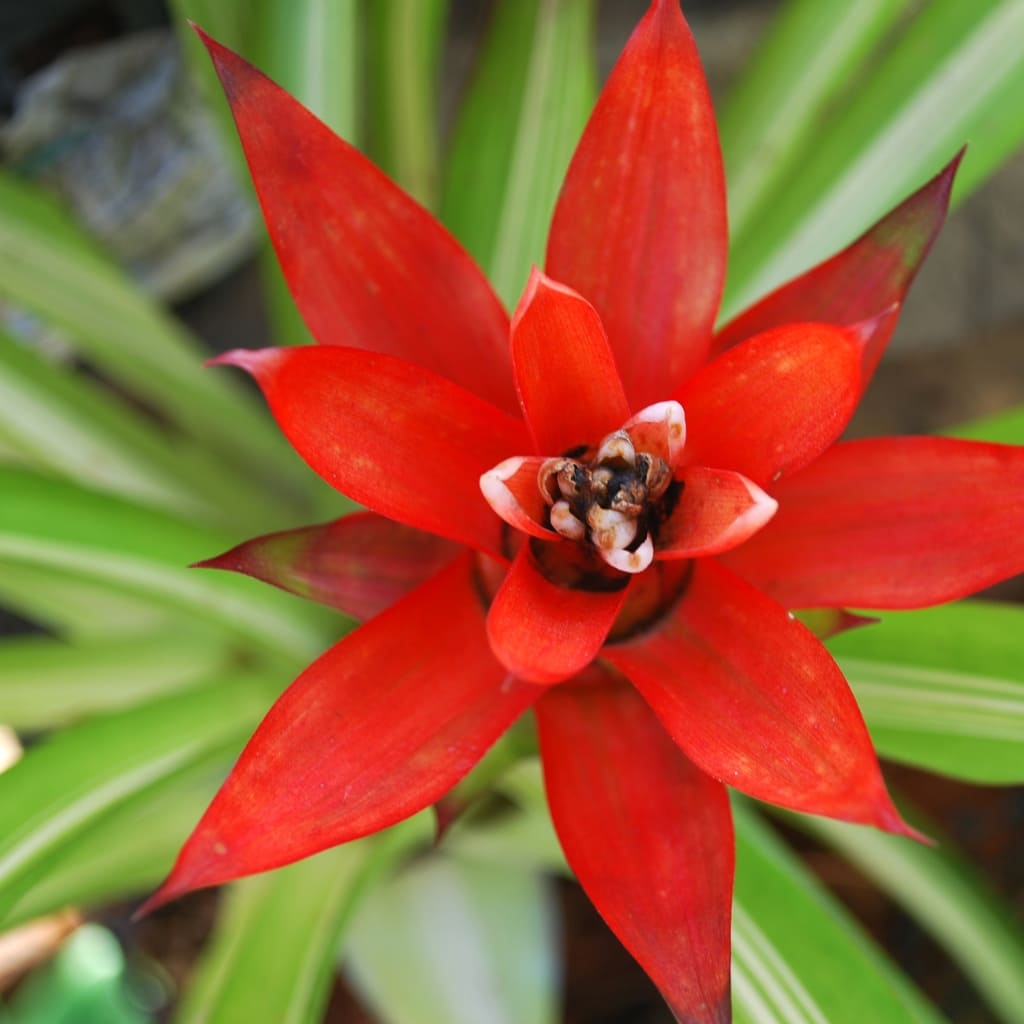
621 546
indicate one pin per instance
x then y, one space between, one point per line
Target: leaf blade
799 957
59 787
943 688
780 102
48 682
275 948
60 527
515 134
944 83
949 900
52 268
497 964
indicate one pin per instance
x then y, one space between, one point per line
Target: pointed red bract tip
447 811
167 893
250 360
217 562
889 819
225 63
943 181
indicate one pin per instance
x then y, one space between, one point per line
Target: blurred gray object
34 32
118 131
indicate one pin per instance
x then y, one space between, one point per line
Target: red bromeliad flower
603 511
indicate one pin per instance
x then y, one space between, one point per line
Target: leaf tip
889 819
250 360
167 893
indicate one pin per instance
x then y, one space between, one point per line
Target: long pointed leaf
55 525
127 849
63 423
943 688
58 788
310 48
48 682
952 78
276 946
798 958
779 103
405 43
516 132
49 266
498 962
73 608
949 900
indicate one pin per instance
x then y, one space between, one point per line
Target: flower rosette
600 508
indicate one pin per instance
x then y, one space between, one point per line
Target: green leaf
311 49
231 23
128 849
74 608
50 267
275 948
58 526
956 76
516 132
809 55
519 837
46 682
943 688
11 451
1005 427
62 786
497 963
405 50
798 958
940 890
63 423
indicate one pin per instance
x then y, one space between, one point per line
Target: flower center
612 499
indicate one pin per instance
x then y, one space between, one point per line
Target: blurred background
99 106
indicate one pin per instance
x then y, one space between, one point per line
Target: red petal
394 437
756 701
565 372
378 728
864 279
511 490
361 564
649 837
716 511
640 229
367 265
773 404
659 429
892 523
544 632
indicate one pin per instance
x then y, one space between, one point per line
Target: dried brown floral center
611 499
